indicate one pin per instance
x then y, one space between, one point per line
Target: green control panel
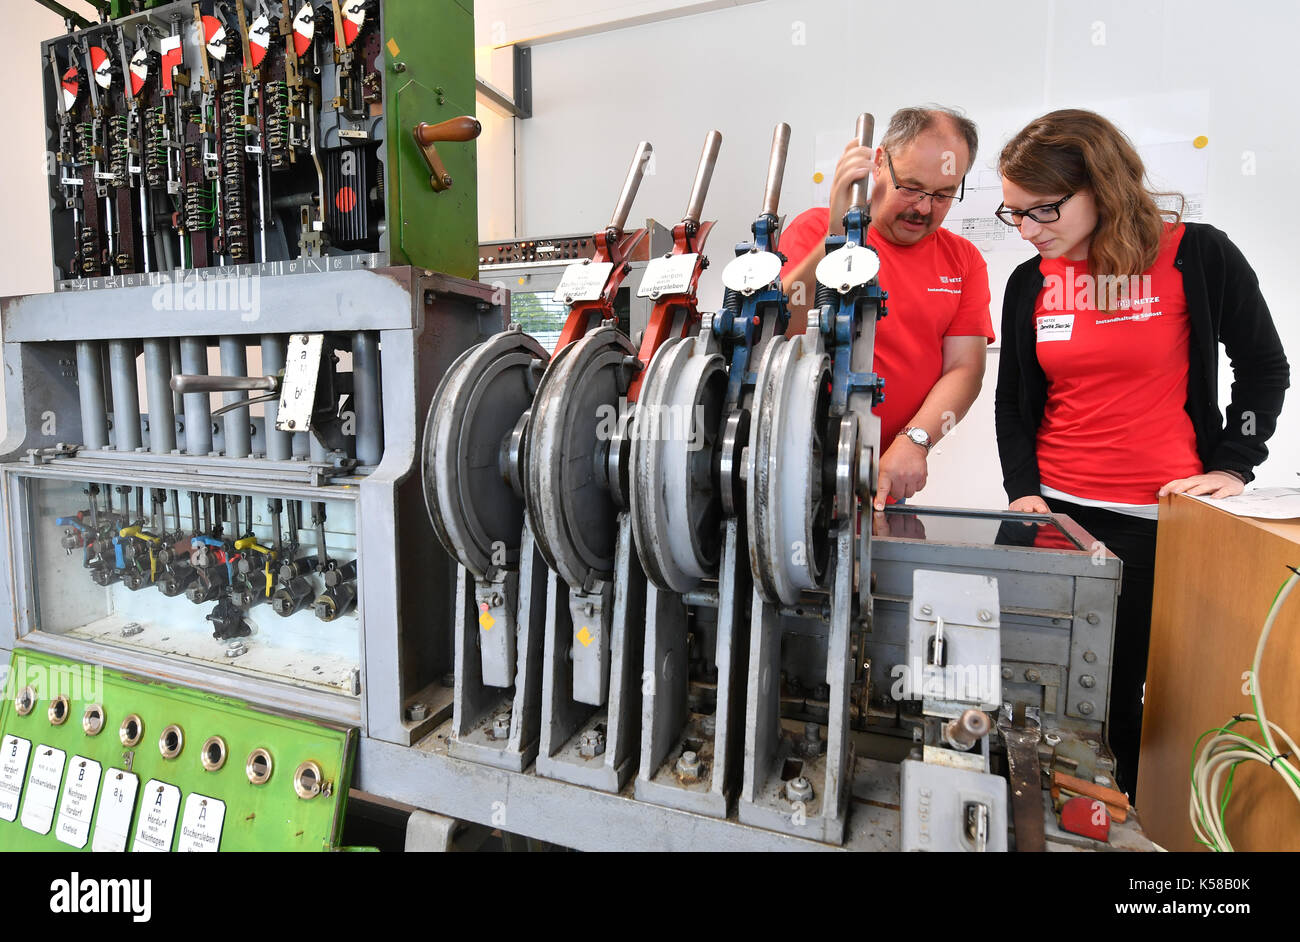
91 759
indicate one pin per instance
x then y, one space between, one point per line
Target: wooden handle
464 128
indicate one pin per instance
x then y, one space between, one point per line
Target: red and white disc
139 69
304 28
102 65
214 37
354 17
259 40
71 88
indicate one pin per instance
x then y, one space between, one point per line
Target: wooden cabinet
1216 576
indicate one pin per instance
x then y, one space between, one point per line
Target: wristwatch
918 435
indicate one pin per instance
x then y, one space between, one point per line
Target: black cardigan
1224 305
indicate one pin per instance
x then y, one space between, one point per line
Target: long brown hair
1068 150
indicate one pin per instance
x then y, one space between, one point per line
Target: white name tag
116 804
157 821
582 281
201 824
671 275
43 789
13 770
1055 327
78 803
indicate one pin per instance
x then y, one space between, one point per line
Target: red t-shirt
937 288
1115 427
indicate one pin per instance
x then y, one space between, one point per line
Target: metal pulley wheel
675 502
476 514
575 417
788 513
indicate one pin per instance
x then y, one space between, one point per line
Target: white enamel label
582 282
201 824
43 789
78 804
751 272
159 803
671 275
13 771
848 266
116 803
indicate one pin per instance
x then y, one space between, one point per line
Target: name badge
1055 327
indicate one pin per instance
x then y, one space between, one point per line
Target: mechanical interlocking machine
283 484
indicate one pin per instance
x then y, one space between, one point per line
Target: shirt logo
951 283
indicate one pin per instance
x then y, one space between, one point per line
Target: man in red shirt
930 348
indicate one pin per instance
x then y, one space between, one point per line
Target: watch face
920 436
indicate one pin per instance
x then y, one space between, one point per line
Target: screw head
1086 708
501 727
1007 673
417 712
927 609
1087 680
1033 676
1093 618
984 615
689 766
1090 657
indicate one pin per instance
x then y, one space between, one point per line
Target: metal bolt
1033 676
501 727
495 600
131 628
591 743
1105 763
1052 739
927 609
1086 708
1007 673
1087 680
417 712
1090 657
799 789
984 615
1093 618
709 725
589 609
689 766
812 740
399 67
236 648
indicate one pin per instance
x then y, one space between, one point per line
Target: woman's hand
1030 505
1214 484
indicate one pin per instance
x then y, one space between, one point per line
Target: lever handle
703 174
633 183
190 383
464 128
776 169
865 130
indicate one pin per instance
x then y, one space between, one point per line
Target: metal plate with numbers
848 266
751 272
298 390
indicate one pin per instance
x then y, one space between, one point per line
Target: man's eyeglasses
1048 212
911 194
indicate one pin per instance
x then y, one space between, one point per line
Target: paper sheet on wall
1264 503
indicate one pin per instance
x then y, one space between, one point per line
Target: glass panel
979 529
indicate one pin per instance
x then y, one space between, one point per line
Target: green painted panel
270 816
435 46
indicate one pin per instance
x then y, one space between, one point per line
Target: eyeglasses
1048 212
912 195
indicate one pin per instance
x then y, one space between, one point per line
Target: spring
89 251
85 143
119 144
825 295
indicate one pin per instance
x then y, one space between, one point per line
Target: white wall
817 64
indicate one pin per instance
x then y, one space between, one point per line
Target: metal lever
191 383
635 173
776 169
865 130
464 128
703 174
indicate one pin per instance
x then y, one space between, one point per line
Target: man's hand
855 164
1215 484
1030 505
902 471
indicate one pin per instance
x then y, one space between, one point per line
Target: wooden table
1216 576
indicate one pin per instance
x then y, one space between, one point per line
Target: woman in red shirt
1108 377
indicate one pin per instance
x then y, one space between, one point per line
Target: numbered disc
848 267
577 412
787 513
475 513
675 504
751 272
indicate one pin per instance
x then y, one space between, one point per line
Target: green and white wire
1226 749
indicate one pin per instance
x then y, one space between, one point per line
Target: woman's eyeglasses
1048 212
